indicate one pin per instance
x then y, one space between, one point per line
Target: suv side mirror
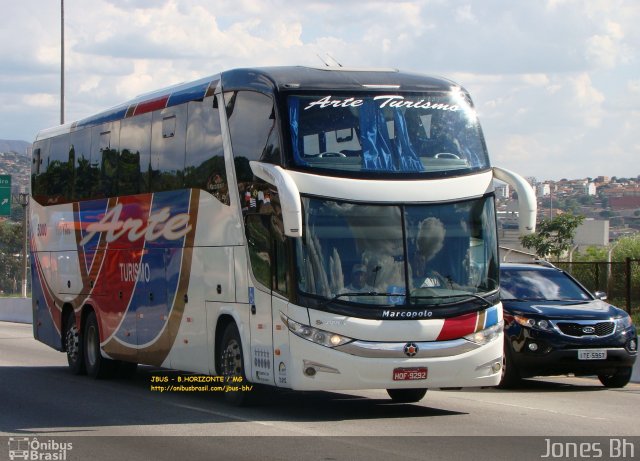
600 295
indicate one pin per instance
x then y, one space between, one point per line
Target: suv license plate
592 354
409 374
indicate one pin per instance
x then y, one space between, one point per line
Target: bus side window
84 175
268 251
136 172
168 137
108 166
39 170
281 257
204 161
259 245
104 161
252 126
60 170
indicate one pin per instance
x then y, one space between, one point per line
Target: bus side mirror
527 202
288 192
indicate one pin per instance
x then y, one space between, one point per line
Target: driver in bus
430 240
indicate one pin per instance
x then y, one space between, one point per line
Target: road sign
5 195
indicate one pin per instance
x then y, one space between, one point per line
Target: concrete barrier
16 310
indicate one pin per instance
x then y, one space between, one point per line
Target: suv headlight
540 324
487 335
622 323
315 335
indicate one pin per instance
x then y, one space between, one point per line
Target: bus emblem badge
410 349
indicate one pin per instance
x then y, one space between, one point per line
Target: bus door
259 242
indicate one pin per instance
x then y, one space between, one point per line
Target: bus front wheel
406 395
231 367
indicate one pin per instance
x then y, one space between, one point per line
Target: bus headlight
315 335
487 335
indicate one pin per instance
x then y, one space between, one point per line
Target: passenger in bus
359 280
443 138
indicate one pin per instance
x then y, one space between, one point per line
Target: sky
556 83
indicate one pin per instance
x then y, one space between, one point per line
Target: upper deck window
386 133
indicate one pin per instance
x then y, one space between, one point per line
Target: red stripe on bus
457 327
150 106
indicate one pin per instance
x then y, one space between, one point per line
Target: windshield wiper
368 293
539 300
468 295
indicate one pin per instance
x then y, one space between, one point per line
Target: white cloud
536 79
546 77
606 50
41 100
587 100
464 14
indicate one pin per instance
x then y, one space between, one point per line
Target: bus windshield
431 133
377 254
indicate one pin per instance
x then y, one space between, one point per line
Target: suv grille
586 329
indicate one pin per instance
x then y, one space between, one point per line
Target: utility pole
23 199
61 62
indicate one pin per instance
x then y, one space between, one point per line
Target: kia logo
588 330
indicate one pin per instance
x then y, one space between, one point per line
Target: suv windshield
539 284
376 254
391 133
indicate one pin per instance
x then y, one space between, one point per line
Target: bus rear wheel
97 366
73 344
406 395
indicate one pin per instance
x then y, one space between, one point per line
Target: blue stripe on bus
117 113
188 94
491 316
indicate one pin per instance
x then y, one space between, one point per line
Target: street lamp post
61 62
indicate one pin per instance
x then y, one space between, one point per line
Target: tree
554 236
592 253
627 247
11 237
10 248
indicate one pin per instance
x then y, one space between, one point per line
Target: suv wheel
619 379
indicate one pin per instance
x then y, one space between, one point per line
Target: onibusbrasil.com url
198 383
202 388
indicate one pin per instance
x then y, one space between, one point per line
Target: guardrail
16 310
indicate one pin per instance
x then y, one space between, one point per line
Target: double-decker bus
303 228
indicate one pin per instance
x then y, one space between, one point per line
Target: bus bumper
315 367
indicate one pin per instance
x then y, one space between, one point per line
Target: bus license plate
409 374
592 354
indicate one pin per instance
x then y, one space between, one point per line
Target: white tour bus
296 227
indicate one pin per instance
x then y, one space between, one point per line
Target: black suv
553 325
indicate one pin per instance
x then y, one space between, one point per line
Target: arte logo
384 101
159 224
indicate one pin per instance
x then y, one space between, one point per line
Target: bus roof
267 79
